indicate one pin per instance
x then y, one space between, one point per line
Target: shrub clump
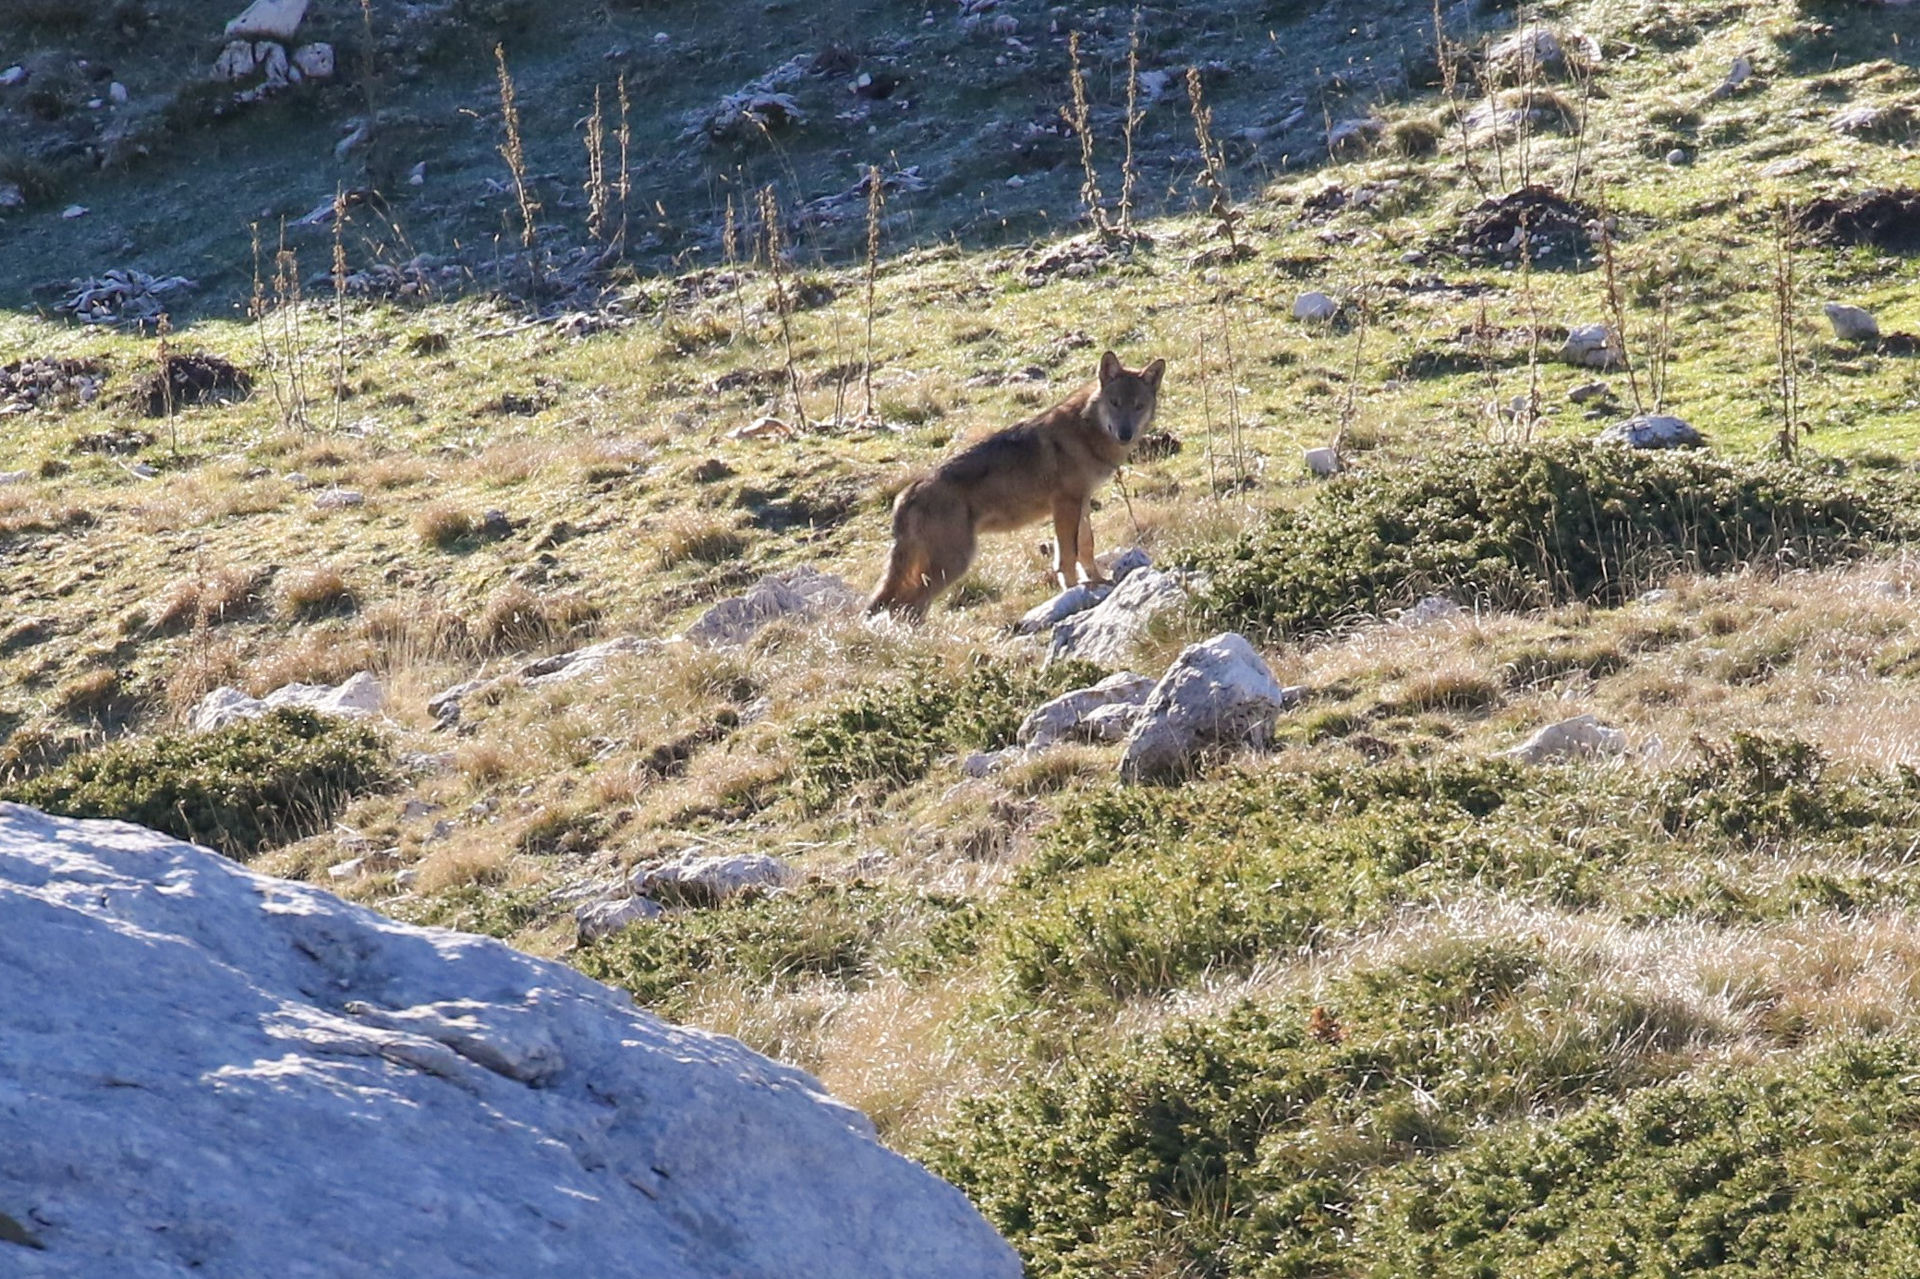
1528 527
239 789
892 736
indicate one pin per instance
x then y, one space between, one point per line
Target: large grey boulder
1078 599
1852 323
713 878
1062 717
1106 633
268 20
211 1072
1217 693
1592 346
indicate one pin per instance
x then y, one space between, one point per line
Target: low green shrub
238 789
1526 527
891 736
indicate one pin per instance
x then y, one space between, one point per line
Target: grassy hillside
1374 1001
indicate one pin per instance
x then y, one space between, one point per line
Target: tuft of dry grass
207 599
515 619
89 695
443 525
310 594
700 537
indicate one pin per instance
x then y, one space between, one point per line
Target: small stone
73 211
1590 391
235 61
1107 632
1216 693
1434 608
1315 308
1852 323
661 37
714 878
11 196
339 499
347 870
117 92
987 763
1016 181
298 479
762 428
494 524
143 470
314 61
1061 718
1678 157
417 175
599 919
12 76
1658 595
1323 461
273 19
414 809
14 477
1593 346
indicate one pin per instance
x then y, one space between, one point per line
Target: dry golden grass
700 537
515 619
442 524
328 653
309 594
207 599
88 695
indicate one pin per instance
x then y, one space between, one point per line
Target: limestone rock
1852 323
355 698
314 61
339 499
597 919
1652 431
1111 723
987 763
1591 346
223 706
562 668
1078 599
1323 462
1433 608
1060 718
1106 632
1315 308
802 592
714 879
1217 693
268 20
235 61
1583 735
256 1078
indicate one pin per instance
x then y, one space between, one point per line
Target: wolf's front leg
1089 571
1067 517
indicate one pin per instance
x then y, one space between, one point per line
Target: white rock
256 1078
1217 693
1531 49
1864 118
1433 608
269 19
117 92
714 878
14 477
235 61
417 175
1111 723
13 76
987 763
73 211
223 706
1323 461
802 592
414 809
597 919
1652 431
1678 157
1315 308
445 705
354 698
347 870
11 196
1574 738
1591 346
339 499
314 61
270 60
1075 599
1106 632
1852 323
1059 719
563 668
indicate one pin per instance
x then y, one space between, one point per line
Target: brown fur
1049 464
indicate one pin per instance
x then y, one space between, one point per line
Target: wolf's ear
1153 373
1110 367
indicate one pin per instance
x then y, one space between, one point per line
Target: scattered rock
114 443
1678 157
1532 53
14 477
117 93
1315 308
1106 632
1737 76
1862 120
1652 431
446 705
414 809
235 62
268 20
475 1110
1061 718
355 698
1786 166
757 110
1111 723
1078 599
1217 693
706 880
987 763
1323 462
49 382
600 919
315 61
73 211
12 197
337 499
1591 392
121 296
1581 736
1592 346
12 76
563 668
1852 323
797 592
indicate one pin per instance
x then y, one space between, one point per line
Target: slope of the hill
1342 1005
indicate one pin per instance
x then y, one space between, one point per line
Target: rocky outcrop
1216 693
802 592
1078 599
1575 738
207 1071
1106 633
1061 718
1652 431
355 698
709 879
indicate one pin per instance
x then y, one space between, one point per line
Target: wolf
1049 464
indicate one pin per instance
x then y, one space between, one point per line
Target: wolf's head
1125 400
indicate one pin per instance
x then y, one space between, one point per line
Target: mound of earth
189 379
214 1072
1555 226
1886 219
